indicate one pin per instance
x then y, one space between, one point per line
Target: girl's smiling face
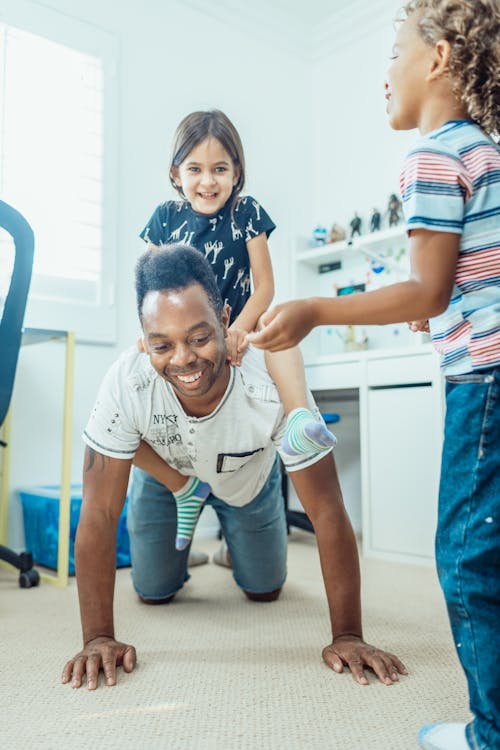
206 177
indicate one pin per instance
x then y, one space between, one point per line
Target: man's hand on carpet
351 651
100 653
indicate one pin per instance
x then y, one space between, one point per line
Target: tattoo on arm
94 458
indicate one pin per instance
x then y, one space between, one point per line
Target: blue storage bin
41 526
331 418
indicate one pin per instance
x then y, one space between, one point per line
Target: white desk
401 408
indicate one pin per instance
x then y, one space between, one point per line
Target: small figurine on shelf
375 220
355 225
394 210
354 339
319 235
337 233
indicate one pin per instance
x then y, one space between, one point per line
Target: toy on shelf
355 340
355 225
320 235
375 220
337 233
394 210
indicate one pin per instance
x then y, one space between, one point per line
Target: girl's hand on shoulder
236 345
419 326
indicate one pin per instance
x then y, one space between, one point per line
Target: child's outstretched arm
189 492
259 300
426 294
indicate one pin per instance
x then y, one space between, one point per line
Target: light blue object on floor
443 736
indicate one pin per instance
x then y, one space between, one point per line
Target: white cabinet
403 447
402 433
400 430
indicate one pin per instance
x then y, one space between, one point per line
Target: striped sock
189 500
305 434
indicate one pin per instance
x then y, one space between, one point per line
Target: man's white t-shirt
233 448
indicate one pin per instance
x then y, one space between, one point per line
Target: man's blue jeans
468 542
255 534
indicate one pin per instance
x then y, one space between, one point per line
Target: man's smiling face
185 341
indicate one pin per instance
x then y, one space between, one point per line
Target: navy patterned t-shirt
221 238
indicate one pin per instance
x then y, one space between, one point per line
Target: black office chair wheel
29 578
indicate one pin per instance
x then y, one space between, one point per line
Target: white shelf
337 250
422 346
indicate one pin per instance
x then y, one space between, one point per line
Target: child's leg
304 433
468 543
189 501
189 492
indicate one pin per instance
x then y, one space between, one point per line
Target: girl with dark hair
207 169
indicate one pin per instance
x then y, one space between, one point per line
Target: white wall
357 157
173 60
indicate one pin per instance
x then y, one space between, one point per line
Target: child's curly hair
472 27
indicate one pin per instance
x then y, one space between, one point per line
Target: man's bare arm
319 491
104 490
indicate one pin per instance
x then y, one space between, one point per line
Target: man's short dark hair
171 268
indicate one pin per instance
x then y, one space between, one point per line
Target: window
56 161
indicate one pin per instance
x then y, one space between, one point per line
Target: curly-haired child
444 79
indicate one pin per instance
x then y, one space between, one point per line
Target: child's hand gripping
236 344
419 326
285 325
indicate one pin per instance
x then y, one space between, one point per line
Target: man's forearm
319 491
95 558
340 567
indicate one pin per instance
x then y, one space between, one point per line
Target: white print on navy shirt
241 271
245 285
250 228
237 233
213 247
228 263
257 209
213 222
176 234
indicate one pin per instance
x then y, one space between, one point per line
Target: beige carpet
217 671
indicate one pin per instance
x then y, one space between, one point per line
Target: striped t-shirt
451 183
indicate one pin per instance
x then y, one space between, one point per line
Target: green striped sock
305 434
189 501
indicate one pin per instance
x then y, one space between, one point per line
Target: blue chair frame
11 328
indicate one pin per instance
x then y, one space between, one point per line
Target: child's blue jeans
468 542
